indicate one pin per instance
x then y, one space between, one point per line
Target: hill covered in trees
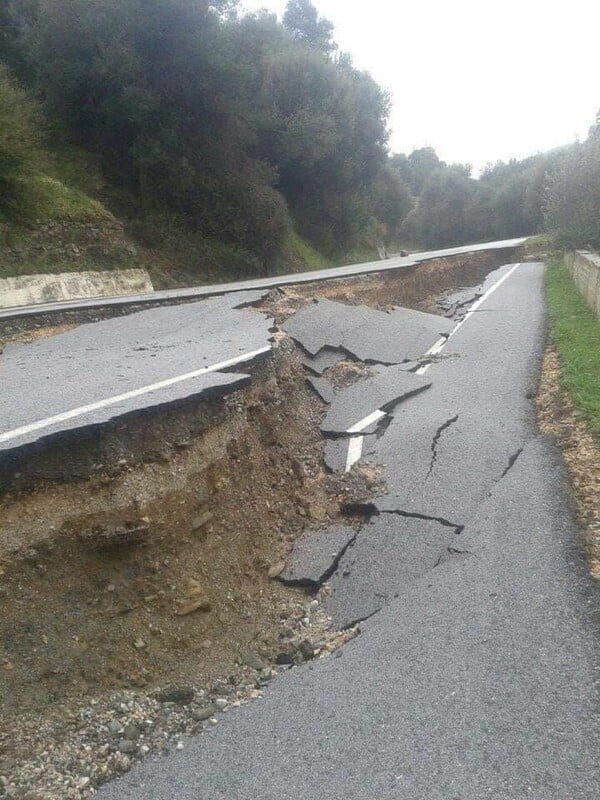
239 142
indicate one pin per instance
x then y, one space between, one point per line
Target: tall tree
302 20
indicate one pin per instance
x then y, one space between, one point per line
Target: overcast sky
479 81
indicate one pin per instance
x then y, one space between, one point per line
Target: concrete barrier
584 267
29 290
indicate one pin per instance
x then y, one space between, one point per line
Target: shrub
21 152
573 198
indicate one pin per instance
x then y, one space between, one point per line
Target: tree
392 201
302 20
573 197
328 143
228 122
440 216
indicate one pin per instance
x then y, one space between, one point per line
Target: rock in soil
202 714
253 661
181 695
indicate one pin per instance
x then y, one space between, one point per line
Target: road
475 673
100 371
199 292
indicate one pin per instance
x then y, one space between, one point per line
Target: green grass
360 255
300 256
48 198
77 168
575 331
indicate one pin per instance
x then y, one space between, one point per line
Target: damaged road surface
105 370
475 674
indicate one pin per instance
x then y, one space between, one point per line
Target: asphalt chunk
382 392
369 335
389 553
316 555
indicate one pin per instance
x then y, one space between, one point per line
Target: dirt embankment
417 287
155 569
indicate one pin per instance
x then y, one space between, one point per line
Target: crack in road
314 586
511 462
458 529
436 440
369 510
358 620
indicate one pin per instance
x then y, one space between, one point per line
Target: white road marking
119 398
364 423
355 445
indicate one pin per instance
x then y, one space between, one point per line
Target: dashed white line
65 416
355 444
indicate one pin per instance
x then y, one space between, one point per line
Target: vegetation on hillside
573 195
21 150
237 143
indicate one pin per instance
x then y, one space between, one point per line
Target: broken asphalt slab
323 388
207 386
325 358
369 335
335 454
385 390
315 556
389 553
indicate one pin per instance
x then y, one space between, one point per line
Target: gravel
68 753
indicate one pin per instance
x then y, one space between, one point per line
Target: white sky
479 81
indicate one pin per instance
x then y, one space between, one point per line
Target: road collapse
172 564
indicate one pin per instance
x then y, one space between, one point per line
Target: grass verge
575 332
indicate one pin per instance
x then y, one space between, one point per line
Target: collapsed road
475 671
477 678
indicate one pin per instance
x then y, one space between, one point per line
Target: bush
21 152
573 198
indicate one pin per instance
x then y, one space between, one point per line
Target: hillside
207 144
64 224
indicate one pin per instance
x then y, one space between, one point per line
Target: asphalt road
103 370
172 295
475 675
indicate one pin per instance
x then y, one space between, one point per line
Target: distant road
199 292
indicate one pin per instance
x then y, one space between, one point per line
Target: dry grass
558 417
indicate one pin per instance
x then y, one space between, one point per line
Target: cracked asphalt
476 672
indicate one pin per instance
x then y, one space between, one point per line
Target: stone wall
28 290
585 271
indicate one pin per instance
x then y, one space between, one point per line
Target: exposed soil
347 373
558 417
417 287
162 570
156 569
